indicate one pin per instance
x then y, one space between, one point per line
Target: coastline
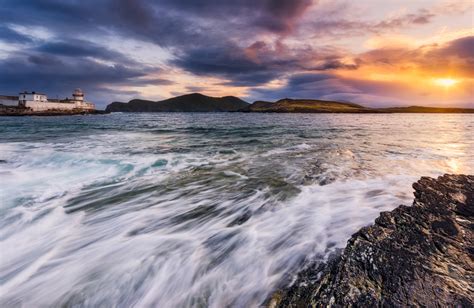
18 112
413 255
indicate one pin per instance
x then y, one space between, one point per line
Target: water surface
182 210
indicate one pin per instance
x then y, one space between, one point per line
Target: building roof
26 92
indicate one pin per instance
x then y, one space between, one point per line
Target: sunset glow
446 82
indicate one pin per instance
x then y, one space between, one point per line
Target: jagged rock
419 255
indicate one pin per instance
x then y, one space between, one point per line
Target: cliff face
419 255
187 103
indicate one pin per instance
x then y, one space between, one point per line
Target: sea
200 209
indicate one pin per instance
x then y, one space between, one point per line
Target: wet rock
419 255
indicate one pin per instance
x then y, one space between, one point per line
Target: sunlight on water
173 210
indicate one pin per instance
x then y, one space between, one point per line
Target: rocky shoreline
18 112
419 255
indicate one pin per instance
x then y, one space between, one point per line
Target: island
415 256
194 102
288 105
197 102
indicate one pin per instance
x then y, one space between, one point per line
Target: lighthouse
78 95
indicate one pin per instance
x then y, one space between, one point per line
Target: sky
372 52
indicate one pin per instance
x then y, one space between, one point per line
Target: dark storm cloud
306 79
81 48
146 81
258 63
168 23
138 19
174 24
184 27
332 64
277 16
58 76
65 62
243 69
42 70
229 62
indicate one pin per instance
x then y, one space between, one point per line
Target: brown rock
419 255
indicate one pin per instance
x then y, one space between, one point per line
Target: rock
419 255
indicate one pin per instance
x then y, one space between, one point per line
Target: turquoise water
181 210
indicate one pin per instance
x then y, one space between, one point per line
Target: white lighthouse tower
78 95
79 102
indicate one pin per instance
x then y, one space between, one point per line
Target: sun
445 82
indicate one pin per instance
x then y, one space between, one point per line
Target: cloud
462 48
229 62
332 24
58 76
455 56
82 48
422 16
247 44
306 85
9 35
277 16
260 62
431 61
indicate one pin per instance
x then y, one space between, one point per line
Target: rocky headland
417 256
194 102
288 105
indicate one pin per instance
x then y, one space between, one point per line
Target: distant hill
195 102
288 105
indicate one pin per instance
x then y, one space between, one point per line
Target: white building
40 102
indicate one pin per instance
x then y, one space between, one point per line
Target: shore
417 255
18 112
